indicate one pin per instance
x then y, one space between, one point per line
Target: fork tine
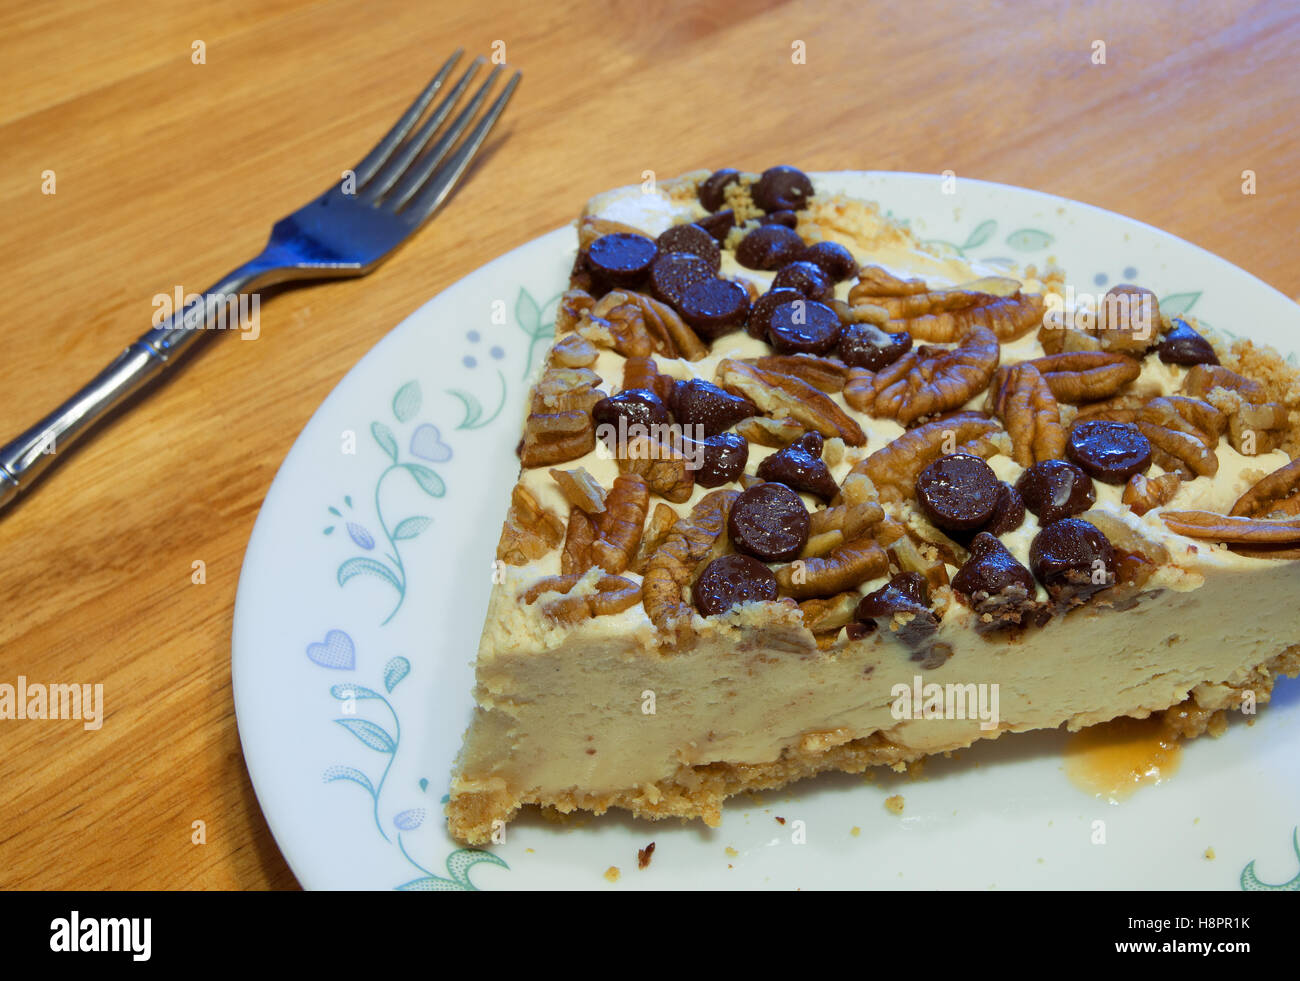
428 163
401 159
375 158
433 193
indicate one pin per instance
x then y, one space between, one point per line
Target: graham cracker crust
699 791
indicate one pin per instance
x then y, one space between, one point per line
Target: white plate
369 571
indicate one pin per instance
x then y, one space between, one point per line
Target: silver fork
347 231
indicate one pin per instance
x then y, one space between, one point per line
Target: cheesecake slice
800 494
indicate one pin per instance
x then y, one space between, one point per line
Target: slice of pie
800 494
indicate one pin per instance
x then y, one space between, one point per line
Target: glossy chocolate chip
1056 489
732 579
803 327
770 522
701 403
719 225
1183 345
867 346
958 491
693 239
713 188
635 406
782 189
1008 513
806 278
992 577
1112 452
799 466
907 594
671 275
769 247
1072 559
722 459
621 258
714 307
787 218
833 259
760 314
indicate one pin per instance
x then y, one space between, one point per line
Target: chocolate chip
805 277
722 459
621 258
760 314
1073 559
713 188
1008 513
671 275
782 189
799 466
1110 451
867 346
833 259
905 595
693 239
958 491
719 225
635 406
729 580
769 521
769 247
714 307
787 218
1056 489
992 578
700 403
1183 345
803 327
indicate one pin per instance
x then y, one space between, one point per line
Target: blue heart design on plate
337 651
426 443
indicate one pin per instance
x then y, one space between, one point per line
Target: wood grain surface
169 173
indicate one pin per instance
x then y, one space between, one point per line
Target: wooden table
169 172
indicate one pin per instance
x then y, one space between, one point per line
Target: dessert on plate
799 493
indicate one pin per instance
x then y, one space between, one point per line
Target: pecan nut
1022 399
530 531
636 326
844 567
821 615
559 425
580 489
823 374
656 531
785 396
893 468
926 381
1273 496
1255 424
1142 493
1086 376
1176 444
611 594
573 351
666 469
669 569
621 523
947 315
770 432
1128 319
1256 537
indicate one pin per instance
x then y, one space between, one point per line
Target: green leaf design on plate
410 527
430 883
528 313
406 403
1176 304
372 735
1029 239
473 409
429 481
981 234
1250 882
394 671
384 437
349 773
344 692
362 566
460 862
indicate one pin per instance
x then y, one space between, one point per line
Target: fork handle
24 459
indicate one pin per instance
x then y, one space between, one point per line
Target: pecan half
645 374
573 351
612 594
1255 425
1176 444
575 557
621 523
580 489
1273 496
1128 319
823 374
669 569
844 567
1265 534
1086 376
770 432
926 381
656 531
1022 399
529 531
1142 493
666 470
569 313
785 396
636 326
907 556
893 468
877 281
830 613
